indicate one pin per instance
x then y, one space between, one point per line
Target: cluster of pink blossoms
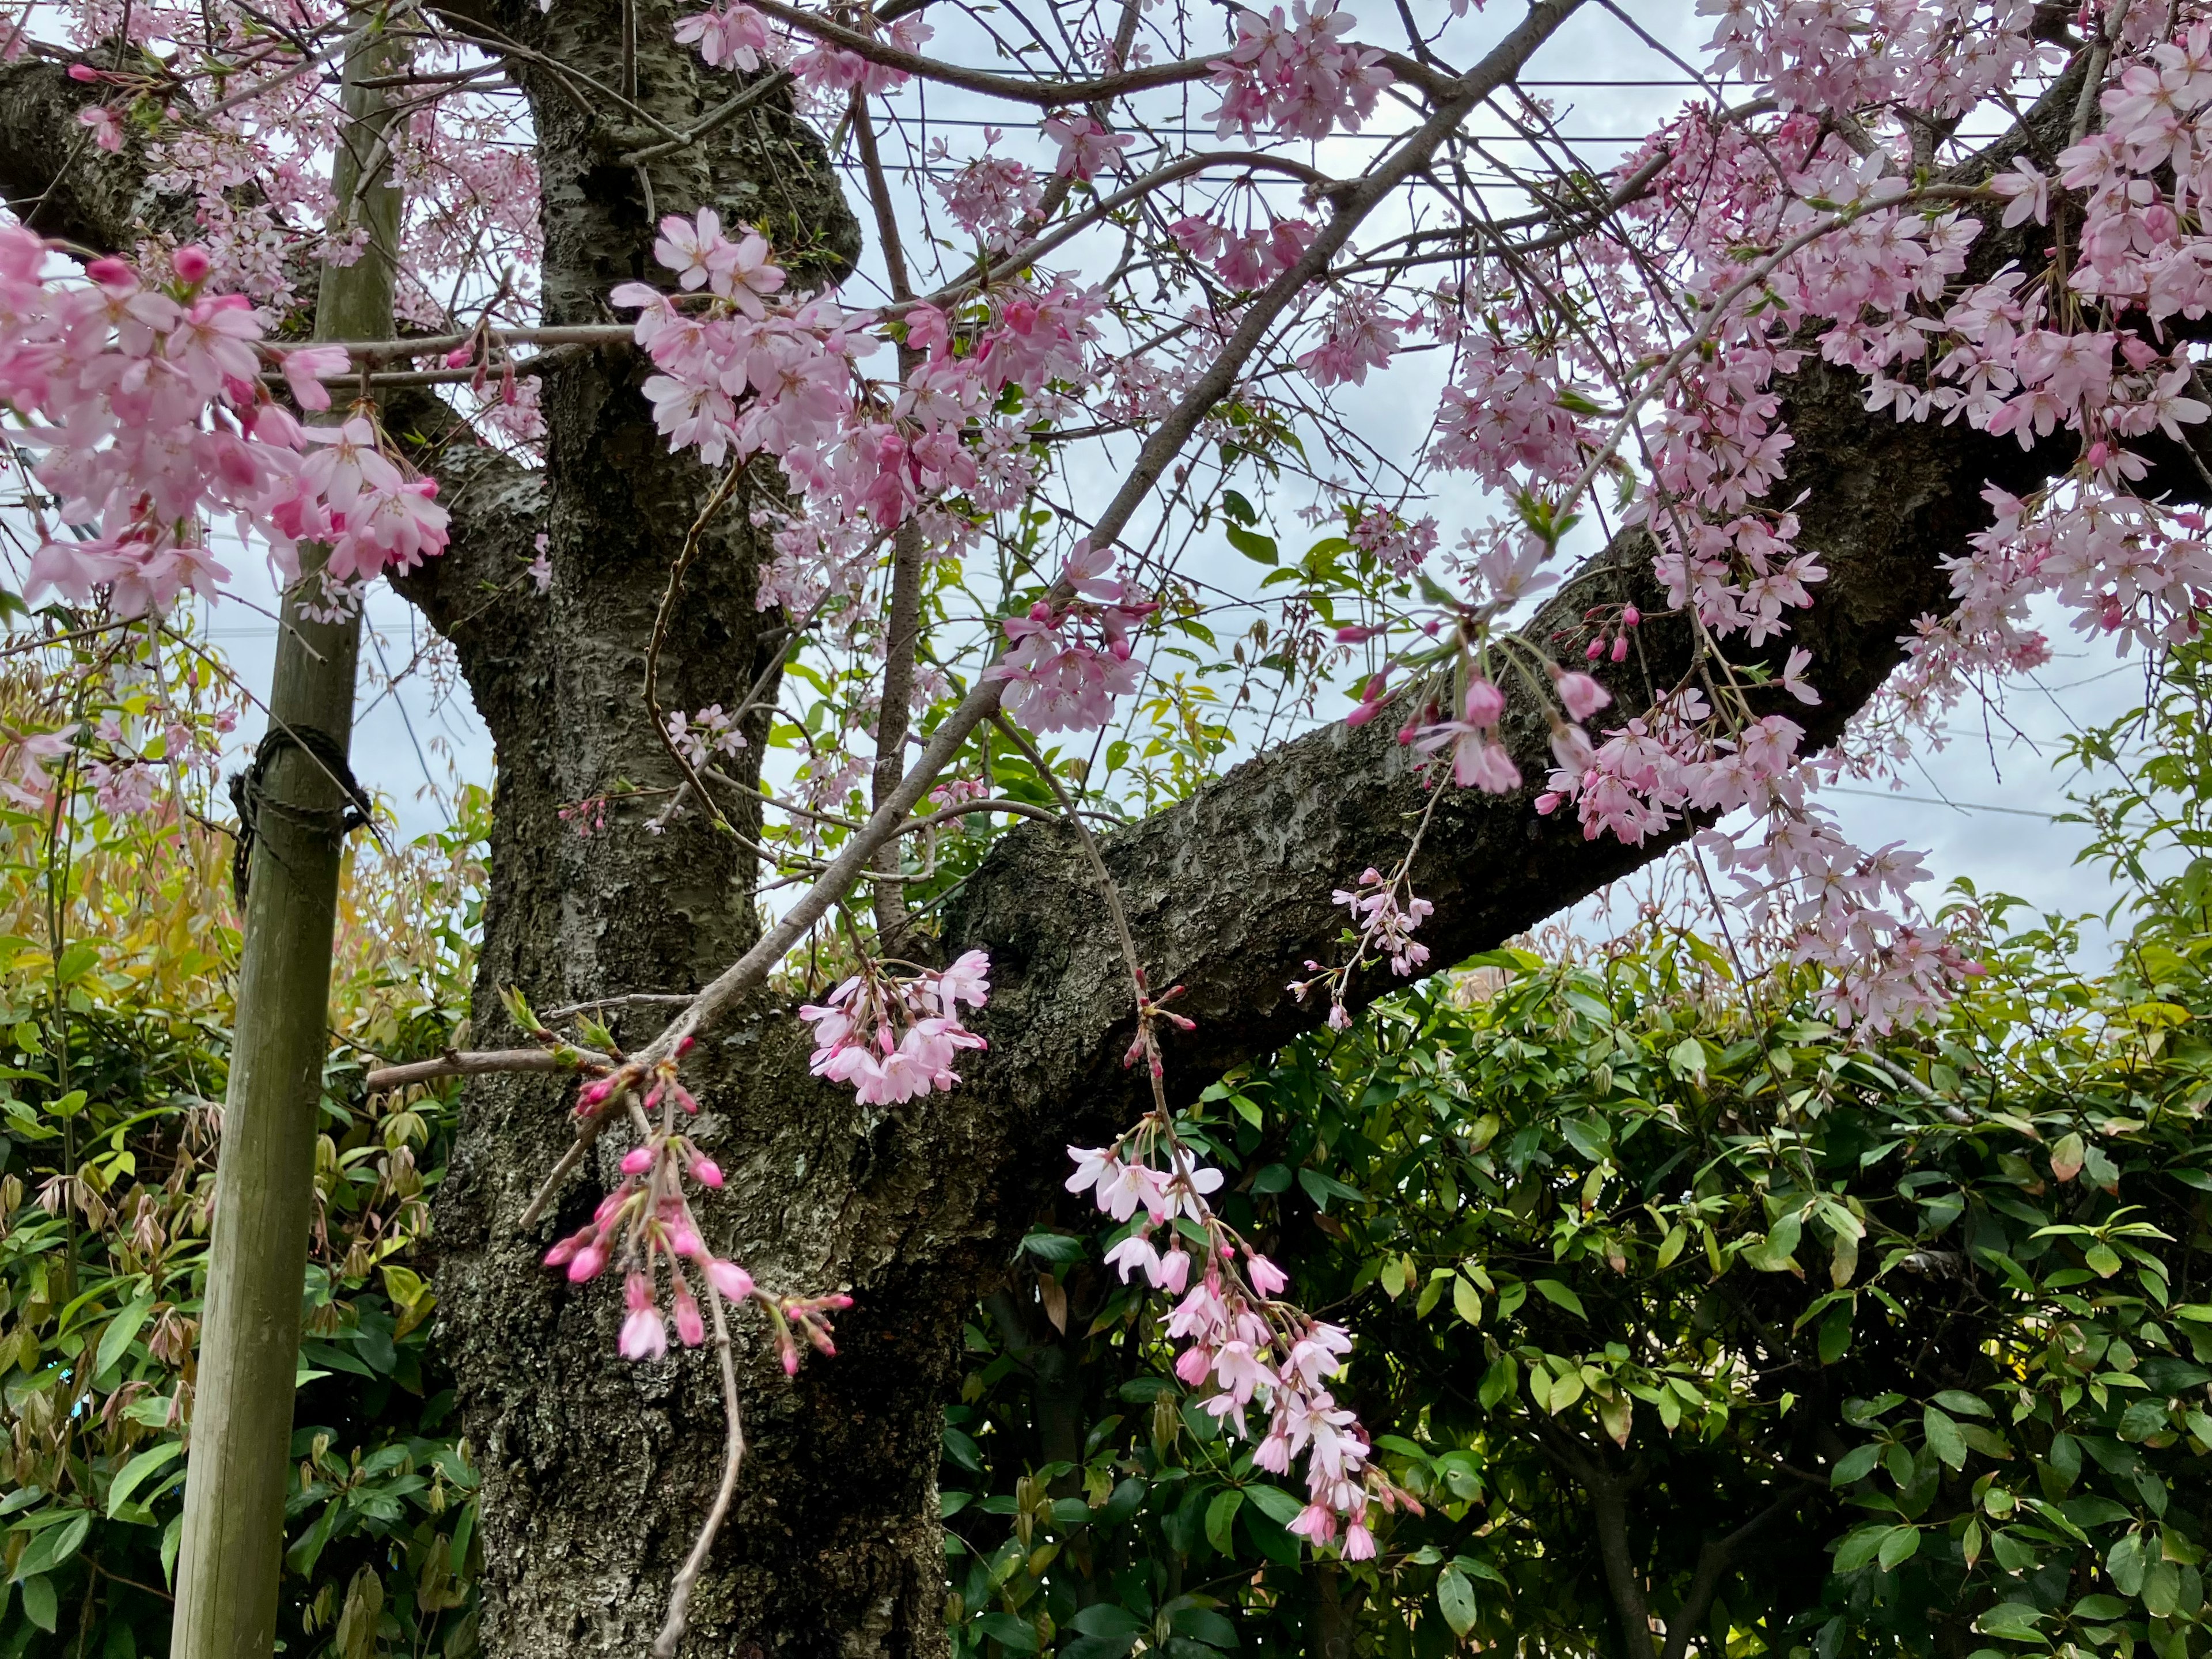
1085 146
147 399
1238 1339
1244 260
990 196
1386 926
1359 335
859 1040
1067 663
1295 76
1504 420
733 36
746 375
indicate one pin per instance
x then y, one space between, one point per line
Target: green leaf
122 1330
1965 1404
1559 1296
1901 1546
1015 1635
1321 1189
1053 1247
2161 1590
1455 1600
2013 1621
1274 1503
1855 1465
1859 1548
1944 1439
963 1450
53 1546
1109 1619
133 1473
1467 1301
1776 1253
1220 1517
39 1605
1262 549
2124 1564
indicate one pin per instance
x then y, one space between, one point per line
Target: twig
628 999
687 1575
721 115
723 490
481 1063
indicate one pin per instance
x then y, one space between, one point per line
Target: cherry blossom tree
849 622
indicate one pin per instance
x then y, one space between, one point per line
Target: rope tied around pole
249 796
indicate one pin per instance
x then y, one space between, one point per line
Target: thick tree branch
60 183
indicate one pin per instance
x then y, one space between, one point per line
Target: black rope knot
250 798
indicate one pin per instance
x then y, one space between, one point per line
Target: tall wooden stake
240 1465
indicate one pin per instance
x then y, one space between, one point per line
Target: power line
1937 800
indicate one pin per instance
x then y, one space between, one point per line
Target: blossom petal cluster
1065 664
1295 76
144 397
895 1039
1239 1346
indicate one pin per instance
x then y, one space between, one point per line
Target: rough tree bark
596 1470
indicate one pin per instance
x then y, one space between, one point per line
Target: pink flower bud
1595 649
689 1326
457 357
191 263
684 1242
1357 636
589 1262
1621 647
111 273
637 1160
707 1172
734 1282
84 73
1173 1272
1629 616
562 1253
1582 695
